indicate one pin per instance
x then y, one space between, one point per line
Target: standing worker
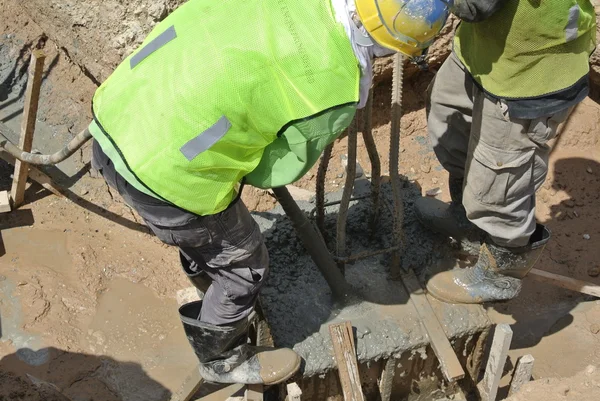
517 70
223 93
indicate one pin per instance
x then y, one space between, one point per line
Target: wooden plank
4 202
294 393
32 97
387 379
522 374
565 282
254 392
449 363
36 175
189 387
342 338
488 388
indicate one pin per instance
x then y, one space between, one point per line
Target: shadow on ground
51 374
541 309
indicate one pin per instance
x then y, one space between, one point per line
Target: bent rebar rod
373 158
320 190
347 194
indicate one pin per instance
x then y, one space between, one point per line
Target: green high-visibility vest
529 48
191 112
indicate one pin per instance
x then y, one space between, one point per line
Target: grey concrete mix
298 303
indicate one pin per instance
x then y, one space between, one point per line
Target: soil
87 295
585 386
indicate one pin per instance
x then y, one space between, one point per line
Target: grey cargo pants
228 247
503 160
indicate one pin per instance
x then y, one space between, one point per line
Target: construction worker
223 93
517 69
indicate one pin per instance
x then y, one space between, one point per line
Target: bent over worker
223 93
517 69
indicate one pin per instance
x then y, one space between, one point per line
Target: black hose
315 246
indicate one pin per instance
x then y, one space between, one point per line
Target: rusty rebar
320 189
347 194
328 204
365 255
395 266
373 158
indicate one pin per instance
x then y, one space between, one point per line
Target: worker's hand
474 10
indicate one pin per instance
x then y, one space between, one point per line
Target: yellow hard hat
406 26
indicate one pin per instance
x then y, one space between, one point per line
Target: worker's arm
476 10
299 147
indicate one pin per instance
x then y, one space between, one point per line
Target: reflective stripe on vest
192 110
529 49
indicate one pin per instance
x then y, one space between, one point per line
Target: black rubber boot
496 276
226 357
450 219
198 277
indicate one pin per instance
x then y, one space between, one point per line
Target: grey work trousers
502 160
228 247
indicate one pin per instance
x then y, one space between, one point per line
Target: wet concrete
298 302
51 253
49 138
29 346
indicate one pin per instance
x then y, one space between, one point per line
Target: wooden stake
189 387
254 392
449 363
342 338
387 379
294 393
488 388
4 202
522 374
36 175
32 97
565 282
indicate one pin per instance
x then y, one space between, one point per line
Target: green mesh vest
190 113
529 48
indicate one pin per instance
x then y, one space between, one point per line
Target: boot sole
500 301
448 301
282 380
442 299
288 376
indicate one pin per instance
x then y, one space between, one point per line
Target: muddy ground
87 295
585 386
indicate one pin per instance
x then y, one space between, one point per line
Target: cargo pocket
498 177
541 130
243 280
193 235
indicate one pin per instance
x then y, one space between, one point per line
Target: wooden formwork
416 376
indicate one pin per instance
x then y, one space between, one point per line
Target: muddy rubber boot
226 357
450 219
496 276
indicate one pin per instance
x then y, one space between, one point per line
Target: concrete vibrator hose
45 160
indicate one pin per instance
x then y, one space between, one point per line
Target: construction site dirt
88 297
